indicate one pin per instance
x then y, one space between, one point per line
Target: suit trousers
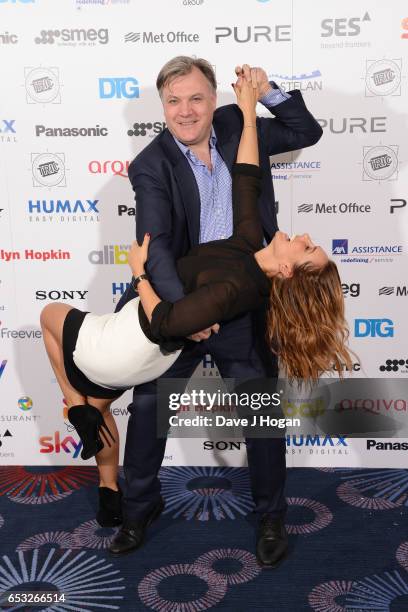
240 352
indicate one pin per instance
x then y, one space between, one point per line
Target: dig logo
118 88
54 444
381 328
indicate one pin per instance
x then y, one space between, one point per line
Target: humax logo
118 88
54 444
373 328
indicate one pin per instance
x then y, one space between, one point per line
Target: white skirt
113 352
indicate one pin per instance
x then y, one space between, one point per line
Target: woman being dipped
97 357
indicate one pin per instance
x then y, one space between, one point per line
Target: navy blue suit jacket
167 196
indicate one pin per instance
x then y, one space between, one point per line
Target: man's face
189 103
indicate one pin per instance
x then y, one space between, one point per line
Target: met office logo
73 37
162 37
48 169
398 291
383 77
118 87
311 81
42 85
380 163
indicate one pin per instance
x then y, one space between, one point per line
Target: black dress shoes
272 541
110 507
131 535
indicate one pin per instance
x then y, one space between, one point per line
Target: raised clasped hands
255 74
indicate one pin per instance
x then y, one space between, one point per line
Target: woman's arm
247 97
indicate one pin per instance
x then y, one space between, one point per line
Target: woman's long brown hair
306 324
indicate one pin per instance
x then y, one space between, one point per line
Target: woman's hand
246 91
138 255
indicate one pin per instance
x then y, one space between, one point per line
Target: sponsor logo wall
80 103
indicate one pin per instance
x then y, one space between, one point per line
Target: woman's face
299 249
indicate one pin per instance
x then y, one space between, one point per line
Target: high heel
110 507
90 424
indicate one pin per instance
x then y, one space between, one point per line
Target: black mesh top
221 278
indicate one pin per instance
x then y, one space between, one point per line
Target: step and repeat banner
79 102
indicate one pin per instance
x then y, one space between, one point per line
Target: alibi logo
42 85
110 254
48 169
56 444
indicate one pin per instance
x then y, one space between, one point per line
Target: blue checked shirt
215 188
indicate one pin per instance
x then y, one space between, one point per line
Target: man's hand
258 77
204 334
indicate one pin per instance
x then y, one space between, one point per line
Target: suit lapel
187 184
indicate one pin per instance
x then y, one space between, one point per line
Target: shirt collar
187 151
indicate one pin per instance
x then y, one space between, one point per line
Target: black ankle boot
110 507
89 424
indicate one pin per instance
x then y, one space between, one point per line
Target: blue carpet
348 543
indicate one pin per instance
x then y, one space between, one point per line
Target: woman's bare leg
108 458
52 323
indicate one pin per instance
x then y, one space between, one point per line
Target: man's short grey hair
182 65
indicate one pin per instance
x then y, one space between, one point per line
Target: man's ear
285 270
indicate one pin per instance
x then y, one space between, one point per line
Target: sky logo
54 444
2 366
340 246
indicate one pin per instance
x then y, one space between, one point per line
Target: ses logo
7 130
378 252
254 34
63 210
147 129
380 163
74 37
42 85
48 169
54 444
118 87
110 254
116 167
6 434
305 81
344 27
383 77
395 365
373 328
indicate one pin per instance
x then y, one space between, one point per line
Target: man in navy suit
182 182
